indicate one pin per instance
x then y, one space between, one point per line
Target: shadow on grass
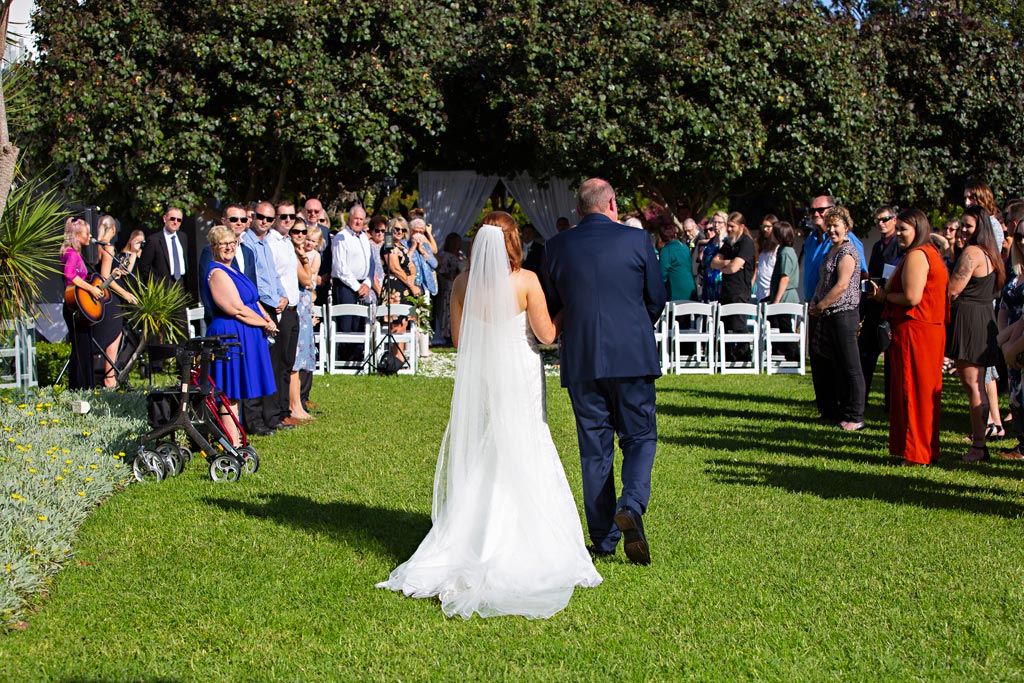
754 393
787 439
397 532
889 487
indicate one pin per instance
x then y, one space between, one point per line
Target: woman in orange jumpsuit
917 309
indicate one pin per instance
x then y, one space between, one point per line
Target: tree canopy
146 101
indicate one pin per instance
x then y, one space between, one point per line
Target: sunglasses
399 231
238 219
298 231
379 230
820 209
174 219
261 217
884 219
286 216
227 244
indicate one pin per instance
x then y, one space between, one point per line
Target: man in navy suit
606 283
161 245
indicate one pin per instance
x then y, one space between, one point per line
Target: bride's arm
537 310
455 307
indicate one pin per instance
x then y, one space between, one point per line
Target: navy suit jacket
604 278
204 266
153 259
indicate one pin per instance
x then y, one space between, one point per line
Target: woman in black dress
977 278
107 331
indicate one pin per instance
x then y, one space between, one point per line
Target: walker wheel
172 458
148 467
250 460
186 455
225 467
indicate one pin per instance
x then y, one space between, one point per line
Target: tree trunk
8 152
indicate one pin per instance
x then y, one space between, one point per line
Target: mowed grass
782 549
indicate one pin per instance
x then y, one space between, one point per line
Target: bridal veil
506 535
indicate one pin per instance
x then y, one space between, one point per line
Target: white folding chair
196 322
774 362
693 337
18 354
337 363
320 341
750 335
410 337
663 337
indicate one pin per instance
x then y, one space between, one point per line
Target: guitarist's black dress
80 372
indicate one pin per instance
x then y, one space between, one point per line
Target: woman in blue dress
246 372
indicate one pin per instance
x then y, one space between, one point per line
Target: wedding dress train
506 535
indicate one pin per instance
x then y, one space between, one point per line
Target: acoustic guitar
93 308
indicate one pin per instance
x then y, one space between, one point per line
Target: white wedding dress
506 535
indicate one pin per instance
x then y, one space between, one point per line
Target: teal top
786 264
677 272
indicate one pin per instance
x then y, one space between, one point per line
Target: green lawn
782 549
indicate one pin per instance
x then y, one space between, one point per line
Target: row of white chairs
692 338
331 344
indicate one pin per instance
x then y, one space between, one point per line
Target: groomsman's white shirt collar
174 253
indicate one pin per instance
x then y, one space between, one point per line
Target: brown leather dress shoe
292 422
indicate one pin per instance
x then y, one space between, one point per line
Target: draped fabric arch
543 205
452 200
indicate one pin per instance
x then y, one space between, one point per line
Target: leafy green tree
150 100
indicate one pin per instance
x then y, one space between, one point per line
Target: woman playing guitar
76 236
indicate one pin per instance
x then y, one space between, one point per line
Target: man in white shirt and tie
282 353
350 274
164 253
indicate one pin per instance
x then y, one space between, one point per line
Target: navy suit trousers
603 408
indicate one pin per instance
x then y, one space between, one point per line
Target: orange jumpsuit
918 345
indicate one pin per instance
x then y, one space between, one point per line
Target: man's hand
282 304
363 289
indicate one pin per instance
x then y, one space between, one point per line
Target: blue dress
246 372
305 351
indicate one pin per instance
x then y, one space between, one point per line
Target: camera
865 286
389 244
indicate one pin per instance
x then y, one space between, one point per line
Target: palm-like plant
157 315
31 230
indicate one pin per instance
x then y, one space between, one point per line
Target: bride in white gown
506 535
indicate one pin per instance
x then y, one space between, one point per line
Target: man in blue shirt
260 414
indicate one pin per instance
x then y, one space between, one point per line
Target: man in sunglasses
885 252
164 258
261 414
237 218
813 253
314 216
351 272
165 254
282 352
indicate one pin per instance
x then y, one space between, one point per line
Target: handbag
883 335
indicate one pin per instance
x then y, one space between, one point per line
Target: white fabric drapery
452 200
543 205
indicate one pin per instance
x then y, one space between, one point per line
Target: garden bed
55 466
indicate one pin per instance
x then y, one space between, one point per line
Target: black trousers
347 323
80 369
282 358
867 342
838 375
